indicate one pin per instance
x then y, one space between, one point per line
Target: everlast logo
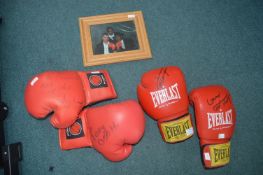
218 119
164 95
177 130
221 154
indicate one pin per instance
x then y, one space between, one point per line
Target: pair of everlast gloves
112 129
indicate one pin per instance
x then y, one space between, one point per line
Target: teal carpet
214 42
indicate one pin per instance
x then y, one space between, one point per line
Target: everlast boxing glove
65 93
163 95
111 129
215 119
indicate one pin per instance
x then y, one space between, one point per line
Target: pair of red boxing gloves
113 129
163 95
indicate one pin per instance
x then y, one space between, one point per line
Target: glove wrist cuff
75 136
216 155
176 130
97 85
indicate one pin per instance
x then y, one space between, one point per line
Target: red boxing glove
112 46
215 119
163 95
65 93
111 129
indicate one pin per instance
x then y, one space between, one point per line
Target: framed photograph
114 38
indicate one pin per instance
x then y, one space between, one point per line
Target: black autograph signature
217 104
161 77
103 133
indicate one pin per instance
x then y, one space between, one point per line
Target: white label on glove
189 131
207 156
95 72
221 136
34 81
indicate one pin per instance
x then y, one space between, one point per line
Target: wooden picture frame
129 23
